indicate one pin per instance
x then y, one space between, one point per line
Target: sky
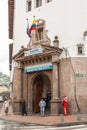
4 41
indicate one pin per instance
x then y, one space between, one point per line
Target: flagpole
27 23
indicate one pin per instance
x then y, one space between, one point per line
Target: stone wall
73 82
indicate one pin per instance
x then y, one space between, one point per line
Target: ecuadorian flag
33 27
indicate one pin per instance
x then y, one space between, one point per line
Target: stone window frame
28 5
80 49
47 1
40 32
38 3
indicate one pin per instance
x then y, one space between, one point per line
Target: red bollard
65 105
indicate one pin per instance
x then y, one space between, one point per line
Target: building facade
54 59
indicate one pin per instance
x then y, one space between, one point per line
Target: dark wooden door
37 95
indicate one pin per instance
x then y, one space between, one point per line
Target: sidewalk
46 120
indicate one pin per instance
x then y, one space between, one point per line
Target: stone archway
41 88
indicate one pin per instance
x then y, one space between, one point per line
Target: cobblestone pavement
46 120
6 125
49 120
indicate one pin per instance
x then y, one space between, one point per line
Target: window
80 49
40 33
28 4
38 3
47 1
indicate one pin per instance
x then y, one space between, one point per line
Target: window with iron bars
28 5
38 3
47 1
80 49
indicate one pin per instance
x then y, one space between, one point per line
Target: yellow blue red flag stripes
33 27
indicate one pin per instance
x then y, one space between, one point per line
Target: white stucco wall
65 18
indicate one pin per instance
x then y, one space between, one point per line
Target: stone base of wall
17 107
73 82
54 107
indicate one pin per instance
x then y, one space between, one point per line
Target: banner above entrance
40 67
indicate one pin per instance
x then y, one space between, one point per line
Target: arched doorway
41 89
